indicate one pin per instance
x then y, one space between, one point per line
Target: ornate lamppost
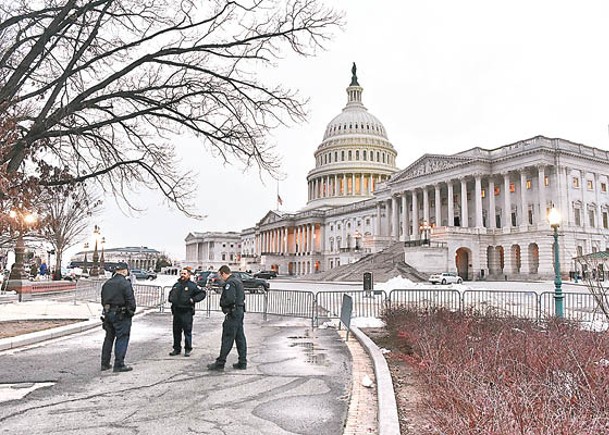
554 219
95 268
23 221
84 264
358 237
102 266
425 231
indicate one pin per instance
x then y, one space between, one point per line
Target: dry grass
476 374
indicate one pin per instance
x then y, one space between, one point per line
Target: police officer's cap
121 266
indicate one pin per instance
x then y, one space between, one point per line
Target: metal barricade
502 303
365 304
425 299
149 296
579 307
293 303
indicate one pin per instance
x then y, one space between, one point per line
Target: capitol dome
354 156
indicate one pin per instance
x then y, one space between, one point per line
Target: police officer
183 296
232 302
118 301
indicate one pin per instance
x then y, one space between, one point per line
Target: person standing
183 296
232 302
118 301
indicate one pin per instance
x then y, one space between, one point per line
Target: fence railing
580 307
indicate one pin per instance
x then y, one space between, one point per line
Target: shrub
490 375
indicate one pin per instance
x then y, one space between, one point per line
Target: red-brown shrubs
490 375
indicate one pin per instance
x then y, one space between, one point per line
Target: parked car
208 278
253 285
266 274
445 278
143 274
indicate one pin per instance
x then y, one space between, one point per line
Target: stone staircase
384 265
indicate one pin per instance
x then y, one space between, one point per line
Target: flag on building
279 200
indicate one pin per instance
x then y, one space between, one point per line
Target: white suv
445 278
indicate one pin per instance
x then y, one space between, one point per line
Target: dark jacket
118 292
182 293
233 294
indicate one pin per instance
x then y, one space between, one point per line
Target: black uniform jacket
183 291
118 292
233 294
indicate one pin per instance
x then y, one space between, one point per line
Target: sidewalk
362 414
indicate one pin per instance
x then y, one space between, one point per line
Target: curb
49 334
388 411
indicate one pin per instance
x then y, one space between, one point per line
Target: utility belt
115 308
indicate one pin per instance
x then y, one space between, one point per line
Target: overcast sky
442 76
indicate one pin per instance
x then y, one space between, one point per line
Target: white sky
442 76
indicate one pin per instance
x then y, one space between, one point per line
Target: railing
580 307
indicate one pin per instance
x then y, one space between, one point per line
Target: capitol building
481 213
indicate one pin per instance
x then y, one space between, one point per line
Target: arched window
357 155
342 156
364 154
350 155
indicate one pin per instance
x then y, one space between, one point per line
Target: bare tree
65 220
105 86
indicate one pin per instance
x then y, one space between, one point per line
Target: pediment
429 164
271 217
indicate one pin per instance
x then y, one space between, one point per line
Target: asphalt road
297 382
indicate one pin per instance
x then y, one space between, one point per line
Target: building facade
210 250
137 257
481 213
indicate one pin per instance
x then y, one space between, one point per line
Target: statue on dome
354 75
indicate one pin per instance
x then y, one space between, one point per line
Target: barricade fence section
502 303
365 304
578 307
425 299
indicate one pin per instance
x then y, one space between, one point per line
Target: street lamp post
554 219
84 264
425 230
17 280
102 265
95 268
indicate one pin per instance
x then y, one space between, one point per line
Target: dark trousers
182 322
232 332
118 329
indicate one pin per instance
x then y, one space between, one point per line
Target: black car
266 274
253 285
208 278
143 274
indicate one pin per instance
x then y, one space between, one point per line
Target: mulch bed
13 328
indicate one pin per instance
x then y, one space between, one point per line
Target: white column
344 185
491 203
404 216
541 186
524 207
361 184
464 215
583 186
378 218
426 204
451 205
507 205
438 202
599 214
395 227
415 216
478 200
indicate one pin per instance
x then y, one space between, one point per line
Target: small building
137 257
210 250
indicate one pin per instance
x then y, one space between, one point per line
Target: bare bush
486 375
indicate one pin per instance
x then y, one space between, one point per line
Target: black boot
215 367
